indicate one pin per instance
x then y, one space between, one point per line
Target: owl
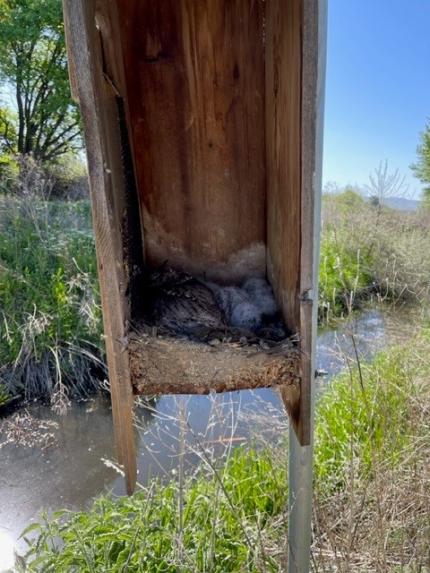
182 304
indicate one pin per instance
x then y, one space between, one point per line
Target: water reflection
371 332
206 422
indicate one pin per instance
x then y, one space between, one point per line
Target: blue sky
377 87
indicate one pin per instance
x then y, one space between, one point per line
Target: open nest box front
201 127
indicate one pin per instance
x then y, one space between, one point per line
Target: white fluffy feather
245 306
261 295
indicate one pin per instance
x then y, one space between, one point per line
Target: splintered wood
170 365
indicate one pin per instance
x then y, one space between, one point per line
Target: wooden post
301 456
97 83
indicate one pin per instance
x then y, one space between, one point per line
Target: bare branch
61 148
384 184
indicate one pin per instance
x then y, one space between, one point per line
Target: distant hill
402 204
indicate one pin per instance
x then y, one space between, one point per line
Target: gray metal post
300 505
300 470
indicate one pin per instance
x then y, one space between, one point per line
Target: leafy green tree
8 164
33 70
337 206
421 168
350 199
7 131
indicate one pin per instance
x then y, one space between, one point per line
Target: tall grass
372 484
5 397
220 529
369 411
50 322
370 252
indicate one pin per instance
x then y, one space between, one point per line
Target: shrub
369 251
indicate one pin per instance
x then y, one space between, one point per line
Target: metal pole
300 470
300 505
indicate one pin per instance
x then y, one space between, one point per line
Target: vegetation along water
227 511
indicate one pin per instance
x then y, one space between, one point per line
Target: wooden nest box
201 121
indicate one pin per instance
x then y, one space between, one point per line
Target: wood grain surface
98 98
195 83
201 127
283 153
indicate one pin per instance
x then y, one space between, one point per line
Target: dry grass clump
380 524
372 509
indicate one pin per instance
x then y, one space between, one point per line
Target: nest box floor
198 337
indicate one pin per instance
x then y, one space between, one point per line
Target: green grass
220 529
368 413
48 288
345 277
234 519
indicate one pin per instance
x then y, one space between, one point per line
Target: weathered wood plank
284 165
283 153
195 83
312 116
101 120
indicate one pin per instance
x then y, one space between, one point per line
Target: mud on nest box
197 337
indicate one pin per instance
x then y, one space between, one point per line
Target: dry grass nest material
197 337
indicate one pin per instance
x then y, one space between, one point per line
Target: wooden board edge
88 86
70 61
313 87
283 154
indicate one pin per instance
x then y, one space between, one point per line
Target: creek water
72 461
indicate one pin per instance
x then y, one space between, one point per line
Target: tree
33 69
7 131
338 206
383 184
421 168
350 199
